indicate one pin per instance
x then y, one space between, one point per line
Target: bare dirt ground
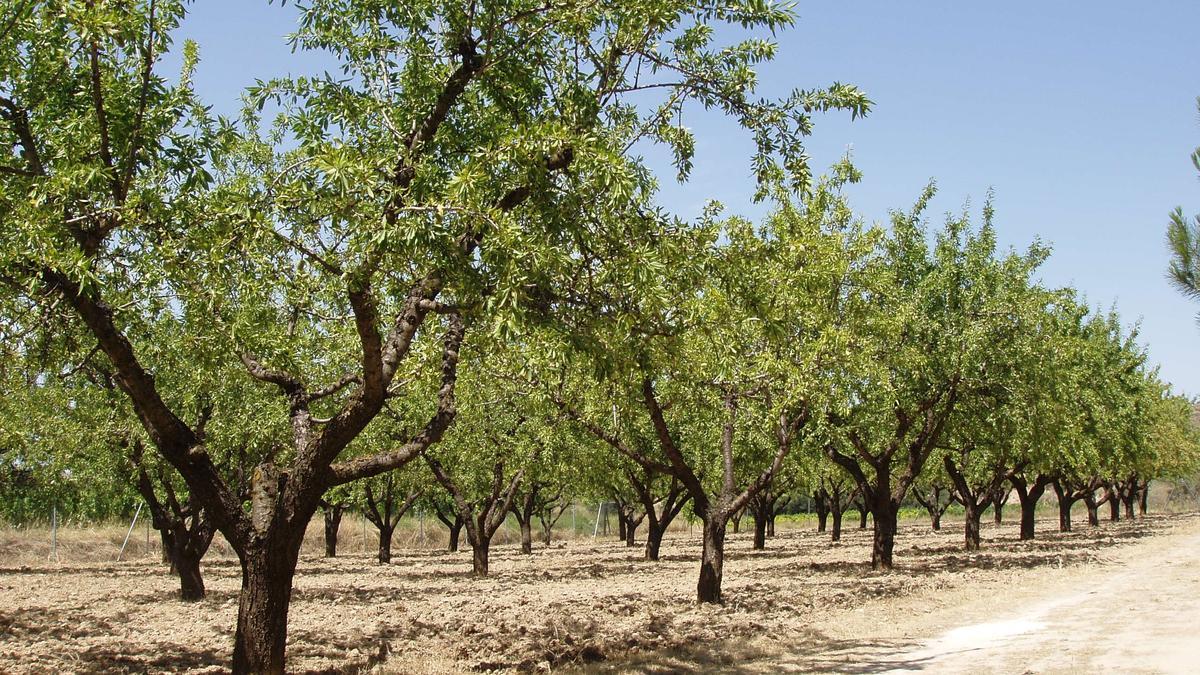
1123 595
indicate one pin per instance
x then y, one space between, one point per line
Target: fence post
131 526
54 531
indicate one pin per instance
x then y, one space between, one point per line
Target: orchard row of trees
447 255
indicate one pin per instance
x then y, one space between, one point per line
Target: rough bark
267 571
884 540
712 559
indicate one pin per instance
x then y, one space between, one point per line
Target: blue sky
1080 115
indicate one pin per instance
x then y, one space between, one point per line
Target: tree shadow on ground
811 652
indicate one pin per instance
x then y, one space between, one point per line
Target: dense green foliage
449 256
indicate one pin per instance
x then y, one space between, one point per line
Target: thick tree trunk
1064 514
622 525
1143 496
385 545
479 557
1128 501
1028 497
263 609
1093 511
1028 517
547 530
862 516
935 520
527 538
885 537
455 531
737 523
836 532
333 521
168 545
712 559
1114 507
654 535
973 515
771 524
760 533
630 531
997 511
187 566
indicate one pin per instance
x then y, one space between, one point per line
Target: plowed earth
803 604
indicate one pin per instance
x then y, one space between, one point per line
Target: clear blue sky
1081 116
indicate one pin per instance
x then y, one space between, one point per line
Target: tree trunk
836 533
862 516
479 557
654 535
1028 496
997 511
1064 514
187 566
737 523
885 537
168 545
1143 496
455 531
263 609
1093 511
935 519
771 524
546 532
1129 504
973 515
622 525
712 559
527 538
760 532
333 520
385 545
1114 507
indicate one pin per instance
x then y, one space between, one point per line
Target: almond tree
928 344
717 393
469 157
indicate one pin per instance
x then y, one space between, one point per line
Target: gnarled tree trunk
1028 496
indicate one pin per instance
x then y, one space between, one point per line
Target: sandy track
1143 616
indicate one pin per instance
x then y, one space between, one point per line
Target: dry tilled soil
803 604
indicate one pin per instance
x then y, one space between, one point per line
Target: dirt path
1141 615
